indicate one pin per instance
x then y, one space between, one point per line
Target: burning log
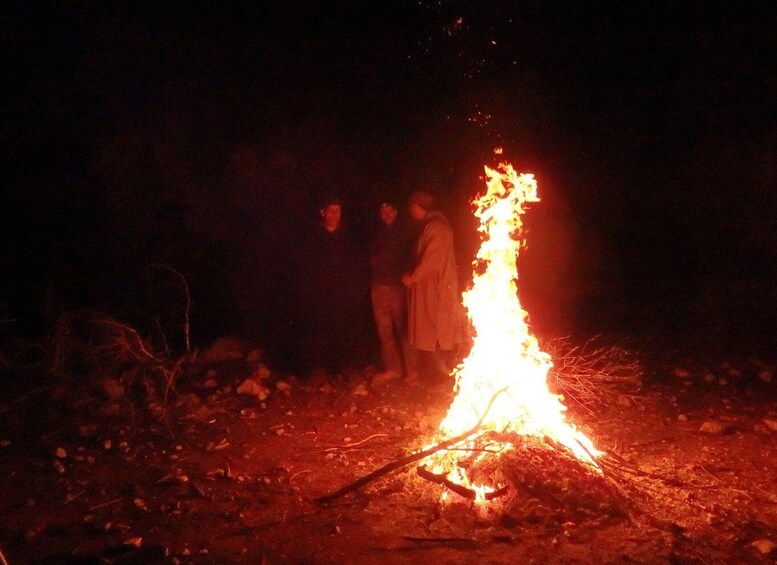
462 491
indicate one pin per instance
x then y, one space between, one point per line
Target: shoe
379 379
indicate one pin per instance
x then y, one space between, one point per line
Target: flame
505 368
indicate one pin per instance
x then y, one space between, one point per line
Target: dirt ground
208 475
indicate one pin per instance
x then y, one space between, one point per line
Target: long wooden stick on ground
399 463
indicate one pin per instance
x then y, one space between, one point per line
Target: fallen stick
412 458
351 445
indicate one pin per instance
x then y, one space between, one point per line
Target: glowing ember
505 367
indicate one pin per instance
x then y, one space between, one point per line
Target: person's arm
434 243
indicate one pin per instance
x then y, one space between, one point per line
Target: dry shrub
595 374
111 358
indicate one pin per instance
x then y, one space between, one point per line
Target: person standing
390 257
434 309
330 295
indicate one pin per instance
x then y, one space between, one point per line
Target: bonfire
501 387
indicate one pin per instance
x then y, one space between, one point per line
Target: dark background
204 139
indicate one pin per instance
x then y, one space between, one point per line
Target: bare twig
104 504
187 295
352 445
591 373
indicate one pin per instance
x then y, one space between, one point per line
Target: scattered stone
59 467
326 389
224 349
253 388
210 383
107 444
261 373
722 381
766 375
714 428
135 542
360 390
682 418
709 378
60 453
284 387
681 373
765 546
255 356
771 424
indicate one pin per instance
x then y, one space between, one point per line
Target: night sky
205 139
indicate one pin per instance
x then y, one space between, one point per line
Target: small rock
59 467
326 389
734 372
766 375
255 356
107 444
681 373
210 383
284 387
224 349
682 418
360 390
60 453
771 424
87 430
136 542
710 427
251 387
765 546
709 378
722 381
261 373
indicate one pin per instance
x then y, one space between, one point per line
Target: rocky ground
225 463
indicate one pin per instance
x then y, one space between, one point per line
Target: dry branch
594 373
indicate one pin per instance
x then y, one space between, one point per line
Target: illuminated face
332 215
417 212
388 213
